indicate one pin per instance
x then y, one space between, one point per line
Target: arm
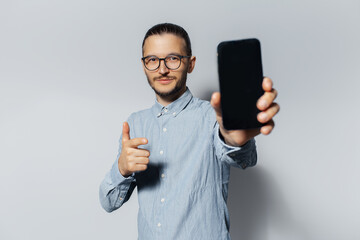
119 183
241 157
115 189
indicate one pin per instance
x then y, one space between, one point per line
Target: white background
70 74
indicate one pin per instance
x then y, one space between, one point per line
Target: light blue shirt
183 193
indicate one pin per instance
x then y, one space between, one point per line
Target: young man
177 153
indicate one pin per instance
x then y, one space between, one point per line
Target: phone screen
240 77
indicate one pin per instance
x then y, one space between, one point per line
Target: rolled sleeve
242 157
115 189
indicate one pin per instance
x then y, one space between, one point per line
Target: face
167 84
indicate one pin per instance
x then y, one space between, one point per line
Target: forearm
239 156
115 190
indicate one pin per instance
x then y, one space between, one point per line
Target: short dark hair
169 28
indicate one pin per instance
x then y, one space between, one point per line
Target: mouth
164 80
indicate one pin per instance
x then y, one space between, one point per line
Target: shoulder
201 105
203 110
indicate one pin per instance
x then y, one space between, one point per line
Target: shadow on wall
205 94
258 210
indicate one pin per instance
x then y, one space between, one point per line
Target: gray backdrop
70 74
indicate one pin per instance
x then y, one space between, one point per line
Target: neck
164 101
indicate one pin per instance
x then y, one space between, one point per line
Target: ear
191 64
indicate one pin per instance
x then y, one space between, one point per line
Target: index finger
135 142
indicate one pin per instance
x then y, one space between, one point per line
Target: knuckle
128 151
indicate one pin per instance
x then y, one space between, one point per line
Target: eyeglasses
172 62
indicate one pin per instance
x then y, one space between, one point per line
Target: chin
168 92
164 93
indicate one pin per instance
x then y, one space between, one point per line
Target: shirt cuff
243 156
117 177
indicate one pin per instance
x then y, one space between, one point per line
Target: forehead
164 44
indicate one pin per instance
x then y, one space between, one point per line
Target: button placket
159 220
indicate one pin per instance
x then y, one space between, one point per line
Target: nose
162 68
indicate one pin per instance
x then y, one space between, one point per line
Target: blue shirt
183 192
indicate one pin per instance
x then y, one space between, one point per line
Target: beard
172 92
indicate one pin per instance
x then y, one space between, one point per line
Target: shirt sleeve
241 157
115 189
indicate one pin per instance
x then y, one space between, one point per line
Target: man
177 153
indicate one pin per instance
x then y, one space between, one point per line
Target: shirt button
161 152
121 199
165 110
162 175
164 129
162 200
159 224
174 113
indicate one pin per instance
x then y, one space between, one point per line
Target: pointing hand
132 158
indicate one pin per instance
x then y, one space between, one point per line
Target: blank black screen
240 76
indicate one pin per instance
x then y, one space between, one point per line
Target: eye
151 59
173 58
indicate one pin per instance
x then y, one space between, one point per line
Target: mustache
165 77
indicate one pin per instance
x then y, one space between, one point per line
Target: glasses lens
152 62
173 61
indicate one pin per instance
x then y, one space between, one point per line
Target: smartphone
240 78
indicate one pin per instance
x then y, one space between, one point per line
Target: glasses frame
180 56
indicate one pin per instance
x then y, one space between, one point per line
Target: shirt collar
173 108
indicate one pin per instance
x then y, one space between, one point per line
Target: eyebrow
172 53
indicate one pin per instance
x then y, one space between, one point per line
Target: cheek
184 73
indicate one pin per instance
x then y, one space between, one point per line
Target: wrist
233 139
125 174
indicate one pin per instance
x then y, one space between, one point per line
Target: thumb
125 132
215 103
